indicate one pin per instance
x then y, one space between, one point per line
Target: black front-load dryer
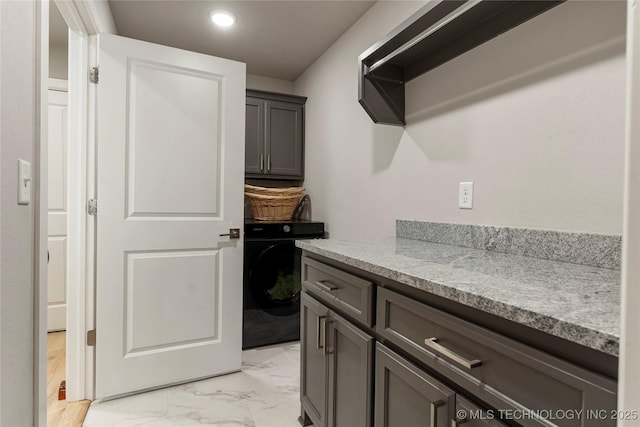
271 291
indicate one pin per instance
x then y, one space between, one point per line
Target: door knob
234 233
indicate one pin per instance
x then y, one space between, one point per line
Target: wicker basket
272 208
265 191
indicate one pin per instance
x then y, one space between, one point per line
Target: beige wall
17 136
534 117
269 84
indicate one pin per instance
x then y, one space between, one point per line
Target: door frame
84 20
629 371
41 213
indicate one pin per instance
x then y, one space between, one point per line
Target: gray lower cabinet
407 396
432 368
524 384
274 136
314 369
468 414
336 368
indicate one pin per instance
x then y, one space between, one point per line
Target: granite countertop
576 302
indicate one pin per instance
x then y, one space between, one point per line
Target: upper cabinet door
284 139
274 136
254 136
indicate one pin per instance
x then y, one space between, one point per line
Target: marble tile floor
264 394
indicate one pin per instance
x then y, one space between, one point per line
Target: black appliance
271 289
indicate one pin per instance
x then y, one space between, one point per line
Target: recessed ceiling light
222 18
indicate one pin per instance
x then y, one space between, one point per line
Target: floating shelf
437 33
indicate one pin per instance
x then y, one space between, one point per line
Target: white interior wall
269 84
17 136
534 117
58 62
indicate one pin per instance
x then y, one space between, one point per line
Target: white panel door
170 175
57 218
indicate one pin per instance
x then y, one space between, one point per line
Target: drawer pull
469 364
320 342
326 285
457 423
434 412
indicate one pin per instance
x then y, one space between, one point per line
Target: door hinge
92 207
93 74
91 338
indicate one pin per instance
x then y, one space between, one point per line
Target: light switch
24 182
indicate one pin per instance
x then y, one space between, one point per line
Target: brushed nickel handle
234 233
469 364
261 162
320 343
456 422
325 347
268 162
434 412
326 285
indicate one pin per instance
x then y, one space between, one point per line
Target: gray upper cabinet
274 136
254 137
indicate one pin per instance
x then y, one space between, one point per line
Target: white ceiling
277 39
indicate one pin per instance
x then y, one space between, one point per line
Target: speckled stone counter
576 302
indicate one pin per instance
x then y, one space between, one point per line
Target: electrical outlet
465 195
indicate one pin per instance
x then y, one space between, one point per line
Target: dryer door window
274 280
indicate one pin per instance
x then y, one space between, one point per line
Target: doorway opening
65 184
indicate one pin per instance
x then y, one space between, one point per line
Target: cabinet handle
261 163
434 412
326 285
234 233
455 422
268 162
325 347
320 330
469 364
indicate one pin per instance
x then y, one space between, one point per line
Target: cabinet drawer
467 414
506 374
406 395
348 293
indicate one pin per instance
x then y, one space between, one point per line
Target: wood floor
60 413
